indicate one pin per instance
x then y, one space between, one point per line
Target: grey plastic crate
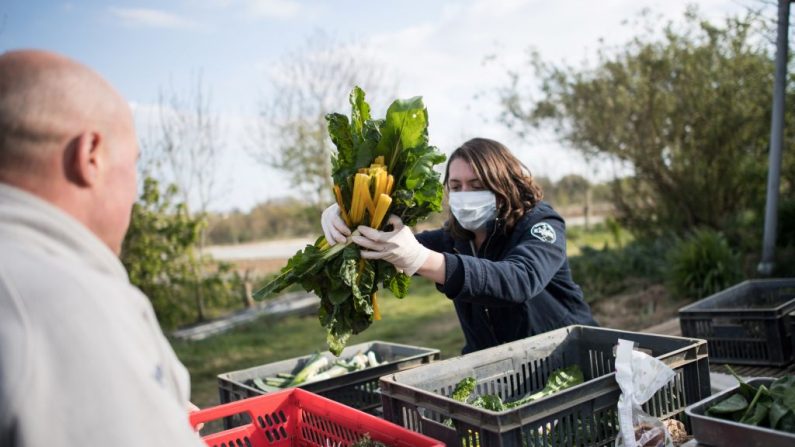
582 415
745 324
358 389
717 432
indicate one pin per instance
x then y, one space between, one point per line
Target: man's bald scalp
46 100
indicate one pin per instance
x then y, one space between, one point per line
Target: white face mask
473 209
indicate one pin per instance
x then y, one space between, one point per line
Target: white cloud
152 18
261 9
274 9
442 59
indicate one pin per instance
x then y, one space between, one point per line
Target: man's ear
83 160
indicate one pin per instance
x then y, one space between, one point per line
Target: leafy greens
772 407
346 283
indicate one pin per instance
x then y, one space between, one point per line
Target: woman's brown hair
504 175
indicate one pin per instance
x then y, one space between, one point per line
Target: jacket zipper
489 323
491 236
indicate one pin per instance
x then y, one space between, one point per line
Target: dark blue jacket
517 285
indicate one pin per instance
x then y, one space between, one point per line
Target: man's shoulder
30 267
49 287
15 341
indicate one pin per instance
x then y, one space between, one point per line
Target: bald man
82 358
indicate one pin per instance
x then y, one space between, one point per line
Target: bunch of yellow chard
381 167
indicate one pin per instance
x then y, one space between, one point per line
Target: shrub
701 264
160 255
603 272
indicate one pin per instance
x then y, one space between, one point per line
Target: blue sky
433 48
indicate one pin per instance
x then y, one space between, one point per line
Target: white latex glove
333 226
398 247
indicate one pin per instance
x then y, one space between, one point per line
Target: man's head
68 137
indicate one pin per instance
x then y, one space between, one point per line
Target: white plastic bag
639 376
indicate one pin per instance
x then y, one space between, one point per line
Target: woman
501 256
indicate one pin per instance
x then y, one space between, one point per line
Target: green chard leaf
784 390
758 415
405 126
748 391
787 422
306 262
559 380
762 397
339 130
348 271
733 404
360 113
399 285
489 402
463 389
777 413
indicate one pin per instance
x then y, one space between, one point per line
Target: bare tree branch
188 140
306 84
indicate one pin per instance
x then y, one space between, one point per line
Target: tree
688 112
307 84
572 189
188 144
276 218
159 253
187 150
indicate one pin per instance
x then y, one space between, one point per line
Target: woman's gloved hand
398 247
334 227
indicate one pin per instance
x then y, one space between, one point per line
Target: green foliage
702 264
615 230
274 219
570 189
608 271
689 112
786 222
160 257
346 283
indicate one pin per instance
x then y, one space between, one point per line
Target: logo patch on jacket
544 232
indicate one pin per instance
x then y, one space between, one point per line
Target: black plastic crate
358 389
713 431
745 324
582 415
791 317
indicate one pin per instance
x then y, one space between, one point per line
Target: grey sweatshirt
82 358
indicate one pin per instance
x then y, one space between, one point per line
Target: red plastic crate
298 418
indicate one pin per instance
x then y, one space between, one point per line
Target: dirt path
637 309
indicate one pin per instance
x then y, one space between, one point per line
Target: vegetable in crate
316 368
381 166
559 380
772 407
366 441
